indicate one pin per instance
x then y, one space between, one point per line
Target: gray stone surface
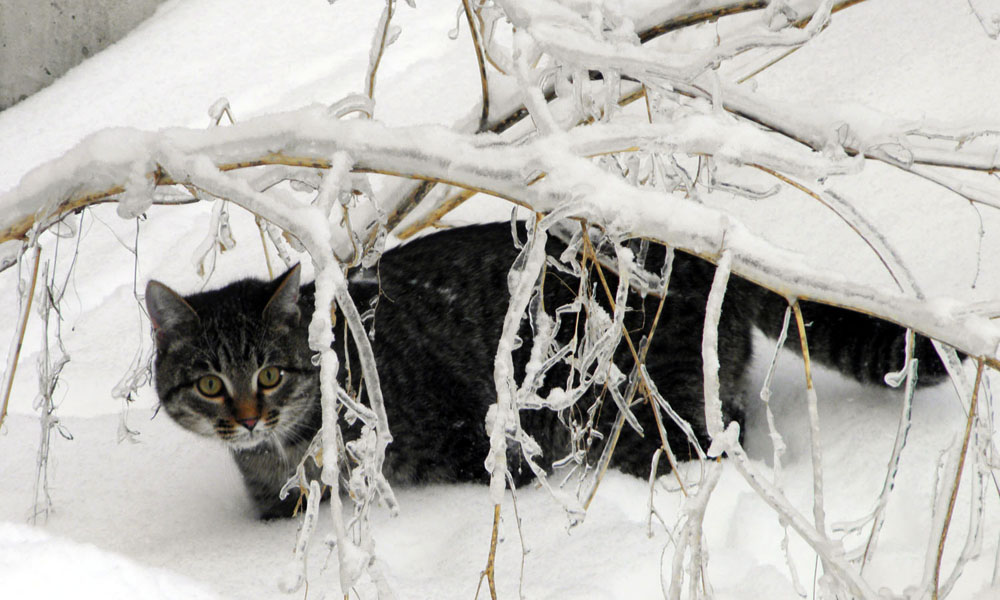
42 39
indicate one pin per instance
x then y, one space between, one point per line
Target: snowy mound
34 564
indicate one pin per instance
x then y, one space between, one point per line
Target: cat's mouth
239 437
246 440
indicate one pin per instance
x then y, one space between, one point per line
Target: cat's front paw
279 509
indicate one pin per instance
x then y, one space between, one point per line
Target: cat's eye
269 377
210 386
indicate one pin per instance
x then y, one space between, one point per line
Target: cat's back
485 250
448 279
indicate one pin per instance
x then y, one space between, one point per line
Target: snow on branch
575 38
100 166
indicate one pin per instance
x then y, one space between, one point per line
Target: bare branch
14 353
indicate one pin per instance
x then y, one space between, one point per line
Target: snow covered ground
166 517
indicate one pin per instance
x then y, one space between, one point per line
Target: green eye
269 377
209 386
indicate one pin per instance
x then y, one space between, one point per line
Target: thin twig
489 571
434 217
383 35
958 477
819 512
263 245
478 44
768 64
14 356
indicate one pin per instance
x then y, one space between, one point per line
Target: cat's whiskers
291 431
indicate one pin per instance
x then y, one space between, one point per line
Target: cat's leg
272 507
265 473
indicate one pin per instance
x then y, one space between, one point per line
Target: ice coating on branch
352 103
542 344
219 108
481 162
101 161
296 572
503 419
710 351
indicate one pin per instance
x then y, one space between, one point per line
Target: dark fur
441 302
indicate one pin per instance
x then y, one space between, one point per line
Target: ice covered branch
102 165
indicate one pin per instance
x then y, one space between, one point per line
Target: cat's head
234 363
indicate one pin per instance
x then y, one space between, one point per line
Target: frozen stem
261 227
27 294
296 573
383 37
958 479
819 512
878 515
478 44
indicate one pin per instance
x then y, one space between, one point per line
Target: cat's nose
249 423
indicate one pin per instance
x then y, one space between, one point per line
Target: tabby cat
234 363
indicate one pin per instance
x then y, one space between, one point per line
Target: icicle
296 572
504 415
710 355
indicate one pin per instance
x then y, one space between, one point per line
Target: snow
29 557
167 517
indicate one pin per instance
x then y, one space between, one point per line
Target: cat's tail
856 344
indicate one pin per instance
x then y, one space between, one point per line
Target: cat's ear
167 311
284 302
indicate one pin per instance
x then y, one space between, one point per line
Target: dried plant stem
478 44
722 10
296 573
18 340
263 245
768 65
958 477
819 512
778 445
449 204
490 571
382 34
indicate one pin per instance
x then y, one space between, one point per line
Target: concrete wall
42 39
